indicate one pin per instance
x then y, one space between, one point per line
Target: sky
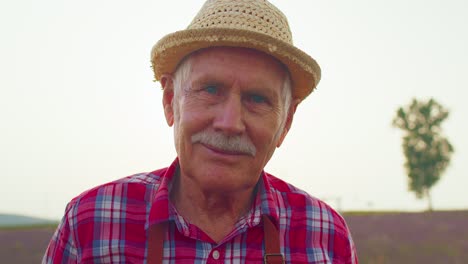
79 108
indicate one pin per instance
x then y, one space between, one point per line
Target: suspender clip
273 258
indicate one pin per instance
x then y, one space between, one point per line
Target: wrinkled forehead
239 54
237 58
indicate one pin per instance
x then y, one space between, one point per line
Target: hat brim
171 49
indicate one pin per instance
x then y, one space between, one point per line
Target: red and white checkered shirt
108 224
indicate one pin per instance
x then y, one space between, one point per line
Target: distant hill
9 220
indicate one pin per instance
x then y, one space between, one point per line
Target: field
430 237
404 238
25 244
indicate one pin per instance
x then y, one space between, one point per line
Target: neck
213 211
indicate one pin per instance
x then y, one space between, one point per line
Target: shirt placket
216 256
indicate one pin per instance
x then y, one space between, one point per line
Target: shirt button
215 254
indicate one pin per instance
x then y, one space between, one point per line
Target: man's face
228 117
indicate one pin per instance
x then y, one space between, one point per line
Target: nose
229 118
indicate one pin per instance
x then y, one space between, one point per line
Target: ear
168 97
289 119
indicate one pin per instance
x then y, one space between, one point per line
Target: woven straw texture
255 24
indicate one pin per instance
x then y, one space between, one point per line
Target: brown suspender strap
156 243
273 254
272 243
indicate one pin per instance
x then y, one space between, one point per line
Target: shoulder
307 218
137 189
294 196
94 216
301 202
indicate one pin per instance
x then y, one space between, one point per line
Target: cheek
264 133
190 120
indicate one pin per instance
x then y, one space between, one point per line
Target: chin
227 182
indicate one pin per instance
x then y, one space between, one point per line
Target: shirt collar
160 204
264 203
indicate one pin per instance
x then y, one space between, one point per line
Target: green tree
426 150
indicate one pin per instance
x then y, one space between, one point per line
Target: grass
29 227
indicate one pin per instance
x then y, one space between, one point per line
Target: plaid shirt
108 224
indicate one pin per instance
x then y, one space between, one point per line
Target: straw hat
255 24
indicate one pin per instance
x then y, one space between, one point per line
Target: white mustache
220 141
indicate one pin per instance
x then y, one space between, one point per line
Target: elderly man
231 84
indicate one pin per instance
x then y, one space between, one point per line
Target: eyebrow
204 79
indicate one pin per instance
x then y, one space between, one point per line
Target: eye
258 99
211 89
